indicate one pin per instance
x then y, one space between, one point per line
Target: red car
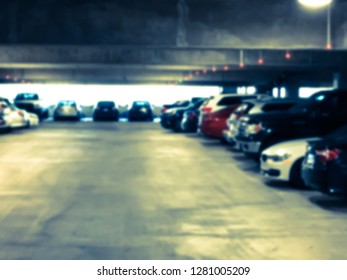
216 111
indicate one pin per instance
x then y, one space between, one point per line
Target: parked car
251 107
215 112
172 118
322 113
14 117
67 109
325 165
31 103
177 104
283 161
4 127
140 111
106 110
190 120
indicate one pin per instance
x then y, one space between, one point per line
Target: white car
283 161
14 117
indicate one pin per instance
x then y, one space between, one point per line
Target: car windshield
141 104
244 107
283 106
67 103
106 104
6 101
307 105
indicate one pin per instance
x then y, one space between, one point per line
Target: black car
190 120
140 111
172 118
325 165
177 104
321 114
106 110
31 102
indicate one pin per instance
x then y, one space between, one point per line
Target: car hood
272 117
297 147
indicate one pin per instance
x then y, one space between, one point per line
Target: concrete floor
135 191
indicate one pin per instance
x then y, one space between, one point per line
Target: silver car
67 109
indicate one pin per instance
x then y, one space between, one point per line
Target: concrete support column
340 80
229 89
265 89
292 90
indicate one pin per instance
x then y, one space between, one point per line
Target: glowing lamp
315 4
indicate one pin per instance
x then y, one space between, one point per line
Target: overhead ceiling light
315 4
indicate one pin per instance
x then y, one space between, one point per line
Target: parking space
84 190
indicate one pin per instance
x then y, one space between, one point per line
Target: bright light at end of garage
87 95
315 4
246 90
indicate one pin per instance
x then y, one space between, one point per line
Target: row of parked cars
69 109
104 110
302 141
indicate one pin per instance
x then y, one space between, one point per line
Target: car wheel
223 141
295 175
177 126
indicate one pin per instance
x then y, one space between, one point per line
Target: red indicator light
260 61
226 68
214 69
242 65
288 55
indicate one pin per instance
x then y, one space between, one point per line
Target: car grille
264 158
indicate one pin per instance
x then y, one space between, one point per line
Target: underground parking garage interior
173 130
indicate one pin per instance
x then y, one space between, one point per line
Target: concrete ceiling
167 65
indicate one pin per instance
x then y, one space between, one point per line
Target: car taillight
164 110
206 109
20 113
328 155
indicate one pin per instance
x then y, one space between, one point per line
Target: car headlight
253 128
280 156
